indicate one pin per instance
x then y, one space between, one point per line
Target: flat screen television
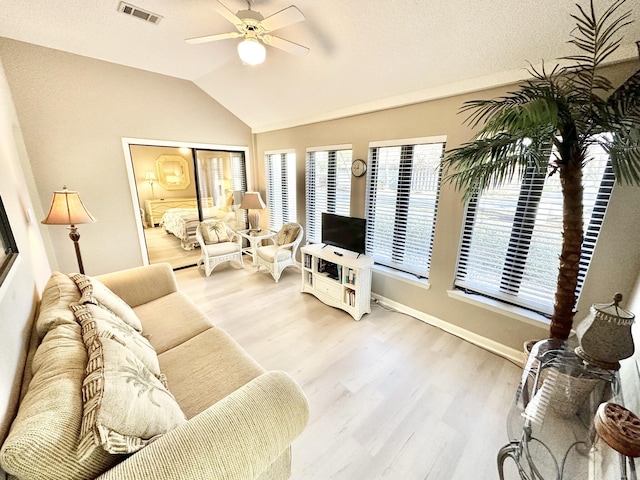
344 232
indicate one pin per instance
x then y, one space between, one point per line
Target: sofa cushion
94 291
58 293
171 320
214 232
44 437
206 369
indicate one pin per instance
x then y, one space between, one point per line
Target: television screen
344 232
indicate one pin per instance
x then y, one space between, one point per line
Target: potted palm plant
564 111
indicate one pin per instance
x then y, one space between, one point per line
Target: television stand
336 279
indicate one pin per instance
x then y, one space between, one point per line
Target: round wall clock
358 167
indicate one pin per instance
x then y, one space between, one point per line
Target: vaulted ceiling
364 55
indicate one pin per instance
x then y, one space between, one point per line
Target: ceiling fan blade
213 38
283 18
228 14
285 45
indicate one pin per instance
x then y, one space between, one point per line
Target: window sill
402 276
511 311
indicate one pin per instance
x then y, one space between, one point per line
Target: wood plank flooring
164 247
390 396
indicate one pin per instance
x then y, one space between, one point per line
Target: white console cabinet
338 278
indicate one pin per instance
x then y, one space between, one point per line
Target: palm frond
493 161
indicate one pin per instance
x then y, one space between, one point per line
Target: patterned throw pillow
126 402
288 233
214 232
94 291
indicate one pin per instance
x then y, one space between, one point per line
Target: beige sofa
239 421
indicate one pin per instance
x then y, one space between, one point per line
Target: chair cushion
288 233
214 232
268 252
224 248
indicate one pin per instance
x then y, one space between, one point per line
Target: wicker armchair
280 253
218 244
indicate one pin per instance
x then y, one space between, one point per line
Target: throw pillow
58 293
214 232
94 291
100 322
125 406
288 233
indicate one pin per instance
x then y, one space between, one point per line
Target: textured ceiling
364 55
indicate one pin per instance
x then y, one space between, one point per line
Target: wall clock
358 167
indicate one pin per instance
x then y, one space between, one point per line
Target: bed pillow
214 232
96 292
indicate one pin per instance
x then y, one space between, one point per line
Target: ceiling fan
256 30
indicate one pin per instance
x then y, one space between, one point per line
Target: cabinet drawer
328 287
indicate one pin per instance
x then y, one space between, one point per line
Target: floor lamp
252 201
67 209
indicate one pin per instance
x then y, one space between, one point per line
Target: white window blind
403 185
512 236
328 186
280 172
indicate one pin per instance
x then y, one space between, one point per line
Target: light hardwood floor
390 396
164 247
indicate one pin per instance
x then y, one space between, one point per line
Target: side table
254 238
551 422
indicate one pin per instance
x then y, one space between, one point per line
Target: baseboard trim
485 343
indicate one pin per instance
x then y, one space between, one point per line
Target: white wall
74 113
31 270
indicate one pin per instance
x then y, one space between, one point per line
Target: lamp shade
251 51
151 176
252 200
67 209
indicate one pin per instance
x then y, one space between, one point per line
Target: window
402 201
280 172
512 236
328 182
8 247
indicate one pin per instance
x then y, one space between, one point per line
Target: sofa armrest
236 438
140 285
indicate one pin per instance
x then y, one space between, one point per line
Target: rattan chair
214 254
280 251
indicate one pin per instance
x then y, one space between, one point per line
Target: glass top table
550 424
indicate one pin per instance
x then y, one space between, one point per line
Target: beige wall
74 113
615 264
31 270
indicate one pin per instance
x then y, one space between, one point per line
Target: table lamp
67 209
150 177
253 202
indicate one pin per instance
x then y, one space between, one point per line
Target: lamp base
254 220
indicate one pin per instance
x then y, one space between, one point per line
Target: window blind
403 185
512 236
280 173
328 186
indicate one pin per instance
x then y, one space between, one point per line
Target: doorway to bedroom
176 187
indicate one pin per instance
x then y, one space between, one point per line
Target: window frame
313 210
404 193
281 208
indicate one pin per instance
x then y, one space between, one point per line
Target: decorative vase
605 335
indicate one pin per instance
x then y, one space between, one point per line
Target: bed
182 222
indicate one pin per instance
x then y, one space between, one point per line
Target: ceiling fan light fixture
251 51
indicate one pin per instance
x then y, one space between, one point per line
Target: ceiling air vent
139 13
